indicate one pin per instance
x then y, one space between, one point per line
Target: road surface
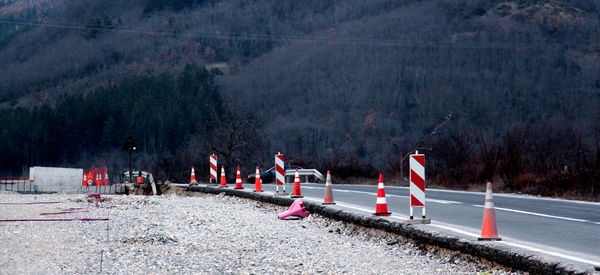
563 230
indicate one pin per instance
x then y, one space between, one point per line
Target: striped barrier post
213 169
279 173
417 186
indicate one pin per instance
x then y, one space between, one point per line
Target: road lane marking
507 195
396 196
355 207
473 235
343 191
363 192
453 229
552 253
443 201
522 246
387 195
536 214
427 200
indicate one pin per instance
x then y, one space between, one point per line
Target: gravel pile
201 234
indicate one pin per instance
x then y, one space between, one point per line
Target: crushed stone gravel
204 234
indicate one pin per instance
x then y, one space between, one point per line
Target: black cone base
383 214
489 239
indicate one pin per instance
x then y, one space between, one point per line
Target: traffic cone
193 177
238 180
106 178
381 208
223 180
489 230
85 180
297 191
328 190
296 209
257 182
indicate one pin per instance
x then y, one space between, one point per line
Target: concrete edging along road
517 260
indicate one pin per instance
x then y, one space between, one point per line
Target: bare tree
425 142
233 135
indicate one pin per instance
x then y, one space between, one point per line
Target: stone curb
506 257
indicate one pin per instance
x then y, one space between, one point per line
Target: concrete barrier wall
55 179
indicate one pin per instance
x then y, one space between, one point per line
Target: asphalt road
563 230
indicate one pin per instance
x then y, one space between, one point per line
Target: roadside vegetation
505 91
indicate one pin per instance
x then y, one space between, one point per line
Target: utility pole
130 146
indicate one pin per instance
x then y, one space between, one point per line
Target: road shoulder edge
501 255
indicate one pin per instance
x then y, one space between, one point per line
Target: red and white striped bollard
213 169
417 186
279 174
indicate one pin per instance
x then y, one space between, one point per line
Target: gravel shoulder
202 234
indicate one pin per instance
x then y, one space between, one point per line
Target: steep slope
83 46
348 85
369 91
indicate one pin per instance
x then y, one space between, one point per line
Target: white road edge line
466 233
552 253
526 247
536 214
463 232
427 200
351 206
387 195
342 191
508 195
442 201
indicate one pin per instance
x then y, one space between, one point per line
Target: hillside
116 40
493 71
350 86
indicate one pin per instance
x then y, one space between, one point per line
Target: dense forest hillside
489 90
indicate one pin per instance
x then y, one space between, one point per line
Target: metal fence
16 184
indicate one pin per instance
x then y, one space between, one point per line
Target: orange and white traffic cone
223 180
297 191
193 177
328 190
381 207
106 178
257 182
489 230
238 180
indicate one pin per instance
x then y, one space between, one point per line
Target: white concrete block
56 179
